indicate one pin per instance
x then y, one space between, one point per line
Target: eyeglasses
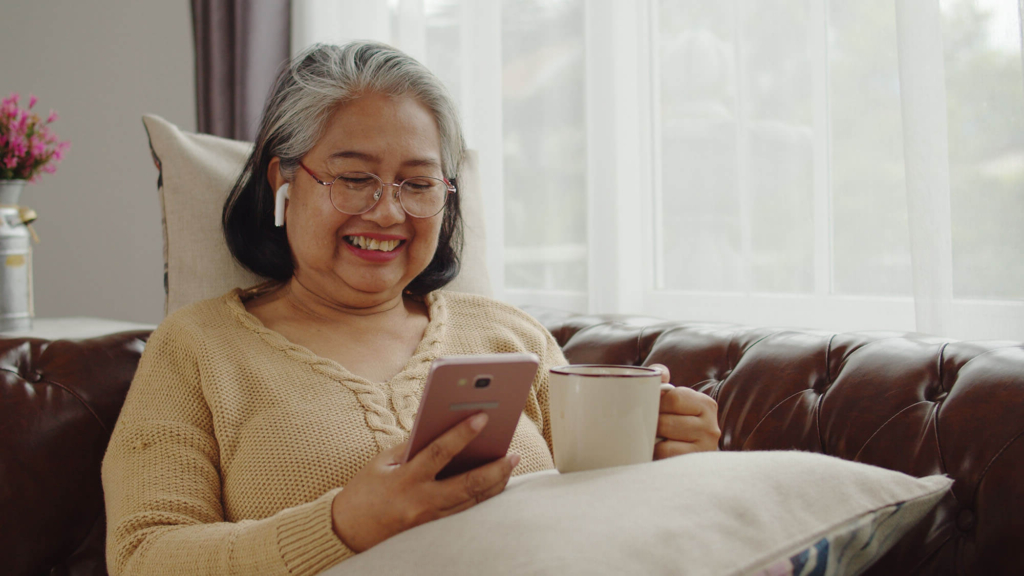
358 192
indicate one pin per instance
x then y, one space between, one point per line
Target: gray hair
325 75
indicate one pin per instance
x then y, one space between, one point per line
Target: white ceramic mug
603 415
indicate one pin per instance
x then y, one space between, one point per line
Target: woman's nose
388 210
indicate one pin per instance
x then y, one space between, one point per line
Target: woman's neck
315 308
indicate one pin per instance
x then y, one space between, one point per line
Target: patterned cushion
853 546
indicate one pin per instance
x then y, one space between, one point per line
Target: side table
75 328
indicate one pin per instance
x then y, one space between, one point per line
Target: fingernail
478 422
513 459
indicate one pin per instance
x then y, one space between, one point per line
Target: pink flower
58 152
27 146
19 147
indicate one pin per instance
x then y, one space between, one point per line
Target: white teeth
373 244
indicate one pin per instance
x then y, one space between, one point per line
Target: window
811 163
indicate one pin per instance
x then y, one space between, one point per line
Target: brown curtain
240 47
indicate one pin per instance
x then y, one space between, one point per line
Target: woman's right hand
387 497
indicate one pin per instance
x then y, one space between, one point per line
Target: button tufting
965 520
934 393
35 376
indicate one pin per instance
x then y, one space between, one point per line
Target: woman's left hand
687 420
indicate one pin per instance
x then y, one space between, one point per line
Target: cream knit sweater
233 441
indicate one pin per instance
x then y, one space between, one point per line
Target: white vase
16 306
10 190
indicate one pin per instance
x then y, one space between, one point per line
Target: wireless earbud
280 197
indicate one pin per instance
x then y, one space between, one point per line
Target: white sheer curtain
926 161
835 165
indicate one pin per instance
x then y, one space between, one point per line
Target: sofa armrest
59 401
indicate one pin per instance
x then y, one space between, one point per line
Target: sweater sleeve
162 485
552 357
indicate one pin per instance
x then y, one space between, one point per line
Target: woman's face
395 138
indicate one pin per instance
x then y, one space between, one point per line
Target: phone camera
482 382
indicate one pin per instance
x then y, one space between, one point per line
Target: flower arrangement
27 146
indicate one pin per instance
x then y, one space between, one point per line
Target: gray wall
101 64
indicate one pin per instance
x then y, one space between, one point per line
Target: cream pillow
197 172
716 513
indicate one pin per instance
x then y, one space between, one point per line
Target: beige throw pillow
714 513
197 172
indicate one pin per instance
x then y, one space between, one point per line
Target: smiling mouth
373 244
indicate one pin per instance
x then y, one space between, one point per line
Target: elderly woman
263 430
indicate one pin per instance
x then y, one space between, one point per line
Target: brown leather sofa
907 402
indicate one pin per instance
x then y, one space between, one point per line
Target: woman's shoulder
468 303
484 311
203 318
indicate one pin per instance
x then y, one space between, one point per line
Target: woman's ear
274 176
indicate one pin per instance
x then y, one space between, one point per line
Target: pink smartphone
460 386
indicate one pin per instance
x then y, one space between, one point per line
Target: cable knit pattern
233 441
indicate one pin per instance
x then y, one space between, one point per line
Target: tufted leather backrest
59 401
906 402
